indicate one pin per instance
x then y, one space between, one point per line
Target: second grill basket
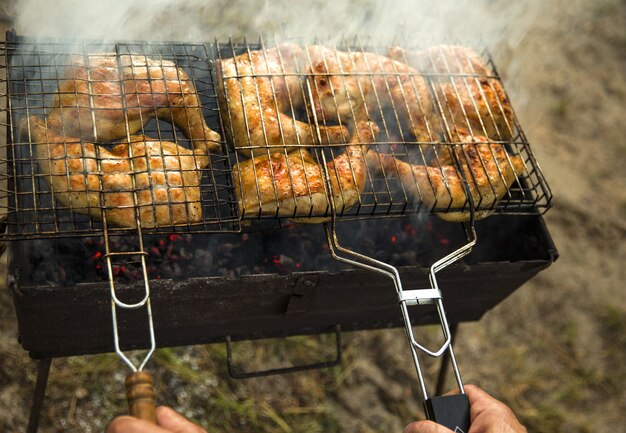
440 126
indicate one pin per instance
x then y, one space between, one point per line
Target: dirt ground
555 350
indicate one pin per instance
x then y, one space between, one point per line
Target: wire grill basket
306 132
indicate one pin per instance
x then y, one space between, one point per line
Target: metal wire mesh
121 136
309 131
440 122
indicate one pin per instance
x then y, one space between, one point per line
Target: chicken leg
292 184
92 180
465 89
486 166
357 86
260 93
105 98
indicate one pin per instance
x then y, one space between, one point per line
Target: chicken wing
106 97
87 178
260 94
465 90
488 168
292 184
354 86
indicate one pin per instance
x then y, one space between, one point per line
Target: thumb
172 421
426 427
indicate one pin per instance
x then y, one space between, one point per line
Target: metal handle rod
438 266
369 263
391 272
116 337
455 255
448 260
114 296
333 246
140 393
445 362
115 301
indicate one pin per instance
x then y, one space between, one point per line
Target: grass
187 379
253 405
612 320
604 8
194 381
562 104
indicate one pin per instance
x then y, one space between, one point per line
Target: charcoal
408 241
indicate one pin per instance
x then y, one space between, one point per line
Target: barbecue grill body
56 320
75 319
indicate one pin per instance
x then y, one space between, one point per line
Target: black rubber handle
452 411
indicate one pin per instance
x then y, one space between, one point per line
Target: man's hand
168 422
487 415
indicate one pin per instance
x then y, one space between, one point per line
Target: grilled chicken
292 184
86 178
260 94
106 97
357 86
488 168
467 93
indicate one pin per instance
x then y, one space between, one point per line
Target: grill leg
43 369
445 363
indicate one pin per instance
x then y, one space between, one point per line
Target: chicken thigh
466 92
489 170
292 184
106 97
261 93
354 86
87 178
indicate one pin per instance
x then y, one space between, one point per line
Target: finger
170 420
426 427
478 396
129 424
475 393
482 403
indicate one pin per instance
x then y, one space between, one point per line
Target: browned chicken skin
292 185
356 86
84 177
99 95
488 168
473 94
260 93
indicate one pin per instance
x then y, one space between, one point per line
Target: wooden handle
140 396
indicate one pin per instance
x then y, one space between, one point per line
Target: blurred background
555 351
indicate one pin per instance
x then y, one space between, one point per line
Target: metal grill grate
54 95
341 131
440 126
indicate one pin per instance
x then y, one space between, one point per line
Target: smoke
412 22
499 25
